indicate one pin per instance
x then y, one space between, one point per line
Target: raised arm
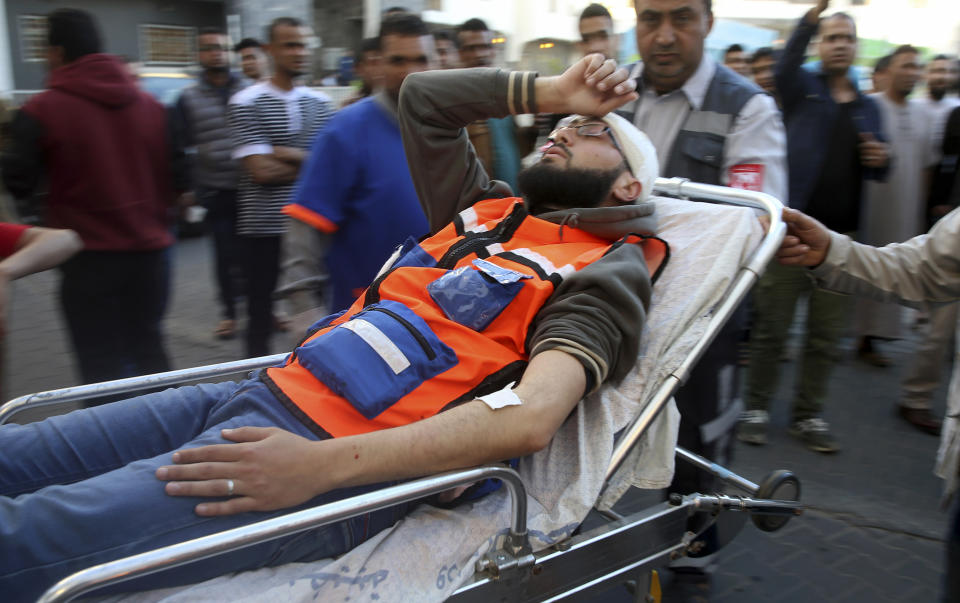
435 106
790 76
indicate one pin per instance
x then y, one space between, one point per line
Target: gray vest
206 106
697 151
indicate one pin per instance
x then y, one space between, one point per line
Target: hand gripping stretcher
519 563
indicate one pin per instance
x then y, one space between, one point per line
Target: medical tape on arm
502 398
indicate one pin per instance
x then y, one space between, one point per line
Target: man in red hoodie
101 145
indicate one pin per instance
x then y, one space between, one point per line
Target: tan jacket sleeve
434 109
923 270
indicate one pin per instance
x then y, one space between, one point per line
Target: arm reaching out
807 242
922 270
274 469
37 249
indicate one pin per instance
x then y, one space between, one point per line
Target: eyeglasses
593 128
590 128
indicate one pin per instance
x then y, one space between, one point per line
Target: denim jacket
810 114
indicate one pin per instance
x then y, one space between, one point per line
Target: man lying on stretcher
392 388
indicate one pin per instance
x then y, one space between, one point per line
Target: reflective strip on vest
469 218
545 264
380 343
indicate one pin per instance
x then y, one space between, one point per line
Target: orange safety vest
446 323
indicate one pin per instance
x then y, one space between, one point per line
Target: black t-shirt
945 187
835 200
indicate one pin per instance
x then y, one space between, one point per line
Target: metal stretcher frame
627 546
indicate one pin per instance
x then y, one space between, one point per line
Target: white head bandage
637 149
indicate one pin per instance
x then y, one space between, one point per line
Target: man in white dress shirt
710 125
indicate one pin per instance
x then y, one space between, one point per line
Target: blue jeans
79 489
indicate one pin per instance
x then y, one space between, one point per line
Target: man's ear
626 189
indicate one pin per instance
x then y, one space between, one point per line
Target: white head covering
637 149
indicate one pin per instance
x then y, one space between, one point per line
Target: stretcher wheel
778 485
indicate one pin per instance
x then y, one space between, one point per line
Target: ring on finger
230 486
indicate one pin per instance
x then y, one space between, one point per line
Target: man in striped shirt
272 124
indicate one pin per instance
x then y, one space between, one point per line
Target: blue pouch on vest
380 355
412 254
475 297
326 320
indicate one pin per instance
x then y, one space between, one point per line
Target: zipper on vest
413 331
471 243
477 241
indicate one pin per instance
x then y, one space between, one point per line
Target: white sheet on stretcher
429 554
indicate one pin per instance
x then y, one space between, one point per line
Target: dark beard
937 94
546 187
217 69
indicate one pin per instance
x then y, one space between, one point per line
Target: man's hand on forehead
591 86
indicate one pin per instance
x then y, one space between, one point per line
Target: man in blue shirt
355 201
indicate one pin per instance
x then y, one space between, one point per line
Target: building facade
156 34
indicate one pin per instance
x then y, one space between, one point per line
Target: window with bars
33 37
169 44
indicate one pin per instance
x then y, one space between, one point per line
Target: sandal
226 329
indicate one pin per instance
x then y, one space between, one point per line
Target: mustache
551 144
566 150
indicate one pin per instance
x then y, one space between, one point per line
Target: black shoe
921 418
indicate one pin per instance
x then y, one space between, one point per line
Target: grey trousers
923 375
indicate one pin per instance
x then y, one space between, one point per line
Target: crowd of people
306 201
880 166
